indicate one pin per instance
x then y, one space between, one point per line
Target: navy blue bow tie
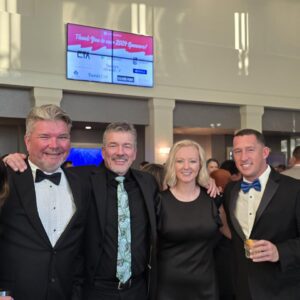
246 186
54 178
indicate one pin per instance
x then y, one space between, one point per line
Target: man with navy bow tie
264 207
42 222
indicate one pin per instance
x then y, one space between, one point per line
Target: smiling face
48 144
187 164
250 156
119 151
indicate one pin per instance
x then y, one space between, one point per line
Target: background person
294 171
230 166
188 224
265 207
212 164
157 170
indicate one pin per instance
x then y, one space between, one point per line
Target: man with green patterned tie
121 230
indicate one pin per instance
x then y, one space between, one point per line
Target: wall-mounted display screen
101 55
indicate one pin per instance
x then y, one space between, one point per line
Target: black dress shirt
106 269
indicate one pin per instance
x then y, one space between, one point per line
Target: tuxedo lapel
270 190
99 186
232 207
24 186
143 188
148 197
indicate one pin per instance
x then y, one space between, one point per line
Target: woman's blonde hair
170 174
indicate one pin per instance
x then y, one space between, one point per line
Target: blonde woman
188 223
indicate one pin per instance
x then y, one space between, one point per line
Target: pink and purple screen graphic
132 46
102 55
89 40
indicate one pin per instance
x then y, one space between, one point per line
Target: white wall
195 57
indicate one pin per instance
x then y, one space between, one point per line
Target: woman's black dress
187 232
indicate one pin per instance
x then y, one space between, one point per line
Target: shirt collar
35 167
263 178
112 175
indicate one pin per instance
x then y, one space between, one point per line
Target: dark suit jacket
97 220
29 266
277 220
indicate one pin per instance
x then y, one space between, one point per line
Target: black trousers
108 290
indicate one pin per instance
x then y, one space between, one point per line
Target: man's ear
26 141
266 152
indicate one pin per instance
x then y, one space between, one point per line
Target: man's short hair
248 131
120 127
47 112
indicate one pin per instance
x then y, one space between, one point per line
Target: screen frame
112 57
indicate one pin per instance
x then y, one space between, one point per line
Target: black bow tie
40 176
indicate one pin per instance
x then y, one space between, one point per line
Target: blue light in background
85 156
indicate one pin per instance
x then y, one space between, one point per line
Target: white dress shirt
55 204
247 204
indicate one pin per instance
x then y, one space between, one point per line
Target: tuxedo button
53 280
54 252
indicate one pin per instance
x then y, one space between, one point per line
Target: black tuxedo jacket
29 266
97 220
278 221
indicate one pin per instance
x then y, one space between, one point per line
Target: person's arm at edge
224 229
212 189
